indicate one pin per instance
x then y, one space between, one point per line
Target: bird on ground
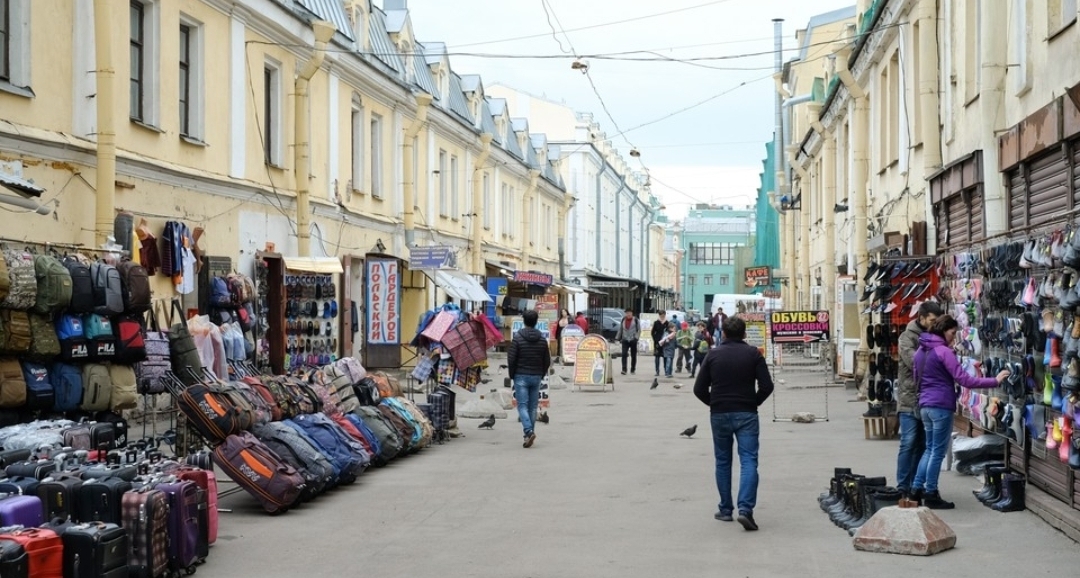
485 381
690 431
488 423
504 366
543 418
655 383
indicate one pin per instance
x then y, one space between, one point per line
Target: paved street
610 489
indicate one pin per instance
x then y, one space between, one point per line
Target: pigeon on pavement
490 421
690 431
543 417
655 383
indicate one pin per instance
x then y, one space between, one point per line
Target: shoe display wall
311 325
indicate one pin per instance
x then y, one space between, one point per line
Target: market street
610 489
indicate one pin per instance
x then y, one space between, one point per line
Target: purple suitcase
183 523
23 511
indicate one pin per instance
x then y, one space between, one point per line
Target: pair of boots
1001 490
852 499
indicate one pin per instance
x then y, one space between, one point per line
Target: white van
741 303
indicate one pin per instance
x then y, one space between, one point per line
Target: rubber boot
838 473
1066 438
1013 489
876 499
846 505
1055 352
1048 389
1051 426
988 484
1074 454
994 494
863 487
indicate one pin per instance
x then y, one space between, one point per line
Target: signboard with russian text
516 323
758 276
496 288
757 331
609 284
571 336
383 318
433 257
592 366
532 278
799 326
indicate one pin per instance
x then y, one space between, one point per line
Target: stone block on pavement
910 531
803 417
556 381
480 408
504 397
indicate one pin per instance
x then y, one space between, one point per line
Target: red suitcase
45 550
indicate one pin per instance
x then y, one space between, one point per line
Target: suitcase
37 469
125 472
146 518
95 550
200 459
103 436
183 524
259 471
19 485
14 562
207 481
44 549
100 500
78 437
58 496
120 427
12 456
23 511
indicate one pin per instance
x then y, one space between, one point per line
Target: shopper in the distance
527 361
627 335
912 436
659 329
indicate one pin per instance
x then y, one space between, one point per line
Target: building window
455 210
707 279
271 124
713 253
487 202
356 144
1018 45
138 60
444 199
376 156
143 48
973 47
5 39
1060 14
691 279
724 280
191 79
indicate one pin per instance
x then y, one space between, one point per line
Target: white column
237 97
333 152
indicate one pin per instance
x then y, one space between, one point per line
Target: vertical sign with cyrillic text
383 302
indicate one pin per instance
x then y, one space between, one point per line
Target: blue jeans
937 423
667 364
743 427
527 394
912 446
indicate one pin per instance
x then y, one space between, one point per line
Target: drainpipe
534 179
324 31
423 104
599 230
105 183
564 216
778 155
928 107
478 201
991 96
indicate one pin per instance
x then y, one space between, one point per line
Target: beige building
324 128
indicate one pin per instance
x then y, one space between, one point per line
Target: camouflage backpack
23 291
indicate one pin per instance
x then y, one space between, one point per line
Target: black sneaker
747 521
529 439
933 501
723 516
624 372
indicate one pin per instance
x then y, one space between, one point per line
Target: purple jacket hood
936 369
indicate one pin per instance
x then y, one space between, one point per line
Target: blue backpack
73 345
219 293
39 390
69 327
67 387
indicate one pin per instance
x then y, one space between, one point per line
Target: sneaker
529 439
723 516
624 372
747 521
933 501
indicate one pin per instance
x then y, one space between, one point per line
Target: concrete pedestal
910 531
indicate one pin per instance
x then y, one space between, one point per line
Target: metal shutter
1017 199
941 221
1074 150
958 220
978 215
1047 186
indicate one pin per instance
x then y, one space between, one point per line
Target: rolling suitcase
103 436
44 550
146 518
78 437
58 496
100 500
23 511
11 456
37 469
95 550
259 471
183 524
125 472
207 481
14 562
19 485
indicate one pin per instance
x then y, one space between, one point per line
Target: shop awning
314 264
568 288
460 286
20 185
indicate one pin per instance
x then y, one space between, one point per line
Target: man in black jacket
527 361
659 329
726 383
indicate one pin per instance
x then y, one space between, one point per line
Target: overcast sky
711 153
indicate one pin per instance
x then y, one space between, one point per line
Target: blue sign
436 257
496 288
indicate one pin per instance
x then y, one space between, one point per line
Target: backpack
219 293
45 344
82 287
12 383
96 387
15 335
67 386
99 336
157 363
23 291
73 345
53 284
236 290
135 287
39 390
123 394
5 280
130 340
108 290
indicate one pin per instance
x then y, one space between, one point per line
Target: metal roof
487 122
381 45
423 73
511 143
435 51
519 124
821 20
458 104
471 82
332 11
498 106
395 20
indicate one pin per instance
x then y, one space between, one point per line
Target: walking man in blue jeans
733 381
912 436
527 361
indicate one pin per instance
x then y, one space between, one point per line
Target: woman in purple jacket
936 370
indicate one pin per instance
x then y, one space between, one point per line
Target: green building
712 237
767 241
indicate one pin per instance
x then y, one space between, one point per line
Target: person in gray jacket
628 334
912 436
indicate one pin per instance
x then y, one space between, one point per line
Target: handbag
182 351
148 372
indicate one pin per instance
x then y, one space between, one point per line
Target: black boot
994 494
934 501
872 410
988 486
846 505
875 499
863 488
829 496
1013 488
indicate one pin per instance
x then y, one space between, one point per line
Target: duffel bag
182 351
148 373
260 471
297 451
209 410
